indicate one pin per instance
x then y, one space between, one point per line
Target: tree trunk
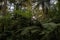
4 7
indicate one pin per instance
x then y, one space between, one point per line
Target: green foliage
24 13
19 26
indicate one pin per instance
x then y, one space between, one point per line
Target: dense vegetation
27 23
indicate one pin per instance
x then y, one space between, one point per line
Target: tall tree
5 7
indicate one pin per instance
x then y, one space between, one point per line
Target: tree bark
4 7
